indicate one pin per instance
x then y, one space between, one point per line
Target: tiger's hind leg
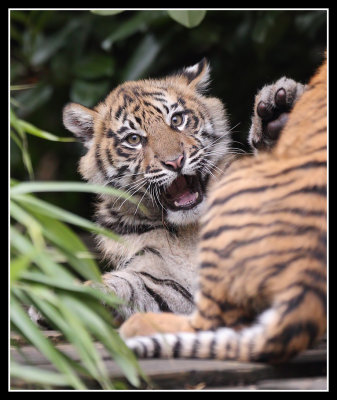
212 314
273 104
215 308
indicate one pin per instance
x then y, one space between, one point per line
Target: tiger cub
158 140
262 272
163 141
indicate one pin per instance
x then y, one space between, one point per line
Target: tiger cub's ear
198 75
80 121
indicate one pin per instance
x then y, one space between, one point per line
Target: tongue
185 198
180 193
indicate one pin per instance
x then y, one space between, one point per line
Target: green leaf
48 46
40 258
22 87
21 141
142 58
15 122
29 187
94 66
33 227
44 208
68 242
78 318
110 338
106 12
88 93
19 265
69 286
31 99
137 22
47 303
30 331
82 341
22 145
33 130
188 18
60 312
37 375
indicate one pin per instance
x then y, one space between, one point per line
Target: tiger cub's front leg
150 283
272 106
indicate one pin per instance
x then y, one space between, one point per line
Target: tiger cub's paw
37 317
273 104
145 324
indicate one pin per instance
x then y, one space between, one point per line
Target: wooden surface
305 372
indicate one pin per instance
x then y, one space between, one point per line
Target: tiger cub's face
158 139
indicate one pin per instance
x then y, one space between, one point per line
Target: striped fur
262 273
154 267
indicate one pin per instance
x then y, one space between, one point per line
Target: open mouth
184 193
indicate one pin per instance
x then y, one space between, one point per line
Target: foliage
80 56
48 262
47 259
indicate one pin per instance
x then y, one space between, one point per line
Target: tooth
196 195
176 204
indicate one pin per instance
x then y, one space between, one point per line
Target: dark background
80 56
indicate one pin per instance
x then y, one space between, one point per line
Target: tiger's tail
278 334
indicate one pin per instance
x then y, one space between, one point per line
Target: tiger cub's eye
177 119
133 139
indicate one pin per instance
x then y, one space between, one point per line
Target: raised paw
273 104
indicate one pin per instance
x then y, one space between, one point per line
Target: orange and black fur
262 270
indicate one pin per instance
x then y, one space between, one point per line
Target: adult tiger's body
262 275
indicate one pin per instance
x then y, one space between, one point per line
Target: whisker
134 188
157 196
236 141
125 185
235 126
140 173
214 142
209 171
220 154
212 165
141 199
132 194
152 195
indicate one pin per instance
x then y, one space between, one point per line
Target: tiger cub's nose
176 164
